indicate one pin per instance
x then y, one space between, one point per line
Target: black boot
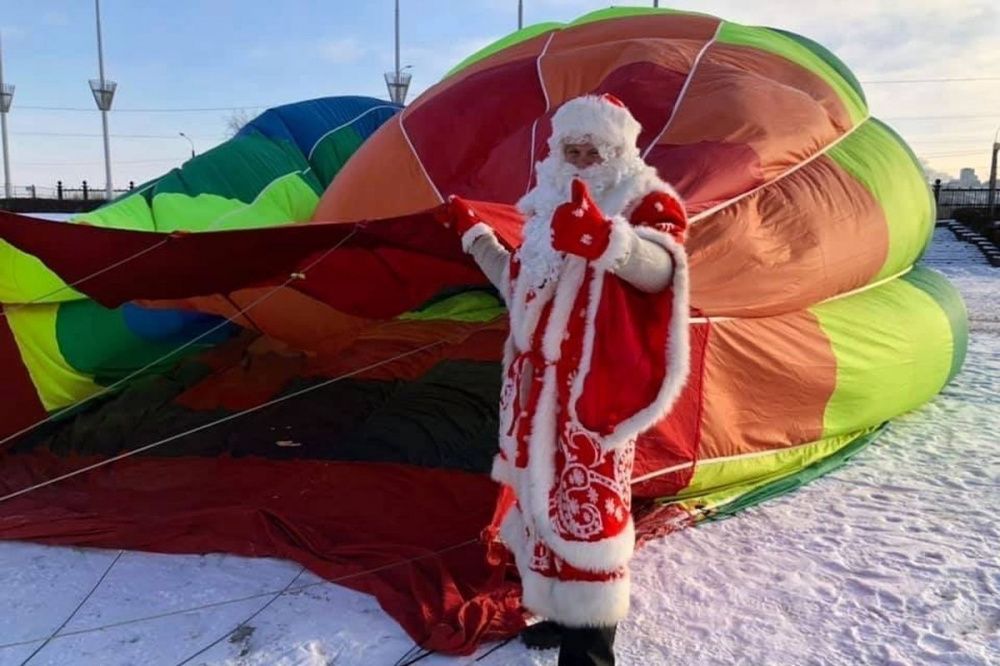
587 646
544 635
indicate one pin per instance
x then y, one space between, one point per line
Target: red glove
664 213
459 216
579 227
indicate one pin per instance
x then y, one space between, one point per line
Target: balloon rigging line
299 275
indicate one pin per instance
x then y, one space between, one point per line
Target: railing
84 192
977 197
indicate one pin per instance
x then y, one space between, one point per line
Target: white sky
231 54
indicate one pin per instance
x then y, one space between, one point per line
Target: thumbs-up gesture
579 227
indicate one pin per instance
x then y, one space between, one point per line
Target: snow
890 560
56 217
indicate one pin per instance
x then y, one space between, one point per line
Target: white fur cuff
473 233
661 238
576 603
619 246
601 555
502 471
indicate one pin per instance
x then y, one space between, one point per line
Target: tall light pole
397 81
6 97
520 14
104 93
992 197
656 3
189 141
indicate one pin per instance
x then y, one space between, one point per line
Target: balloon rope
5 310
288 589
299 275
225 419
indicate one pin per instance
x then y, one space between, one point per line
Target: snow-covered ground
892 560
56 217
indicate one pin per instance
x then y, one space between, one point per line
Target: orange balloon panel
384 179
766 384
815 234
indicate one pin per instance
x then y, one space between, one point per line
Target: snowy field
57 217
892 560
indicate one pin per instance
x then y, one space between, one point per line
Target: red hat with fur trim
602 120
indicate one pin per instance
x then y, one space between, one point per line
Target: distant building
967 178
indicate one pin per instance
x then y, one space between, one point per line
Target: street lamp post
6 97
992 197
189 141
520 14
397 81
104 93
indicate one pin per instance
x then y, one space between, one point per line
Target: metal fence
976 197
83 192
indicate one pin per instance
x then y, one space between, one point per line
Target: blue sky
227 55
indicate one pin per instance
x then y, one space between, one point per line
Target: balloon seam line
548 104
683 93
420 162
343 125
819 153
172 352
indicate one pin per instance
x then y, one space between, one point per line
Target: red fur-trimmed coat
591 363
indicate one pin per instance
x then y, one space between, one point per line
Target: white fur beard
556 176
539 261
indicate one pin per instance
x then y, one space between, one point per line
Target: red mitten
459 216
662 212
579 227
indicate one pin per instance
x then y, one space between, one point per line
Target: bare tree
236 120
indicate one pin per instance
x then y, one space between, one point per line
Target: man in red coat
597 354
